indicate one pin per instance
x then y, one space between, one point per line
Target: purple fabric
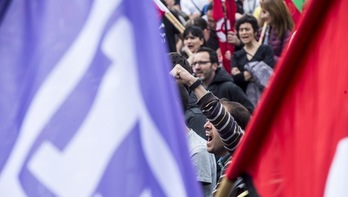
32 42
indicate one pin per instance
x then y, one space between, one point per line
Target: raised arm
211 107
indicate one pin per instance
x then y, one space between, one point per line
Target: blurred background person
193 39
252 51
280 25
193 8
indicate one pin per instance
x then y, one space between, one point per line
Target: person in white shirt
193 8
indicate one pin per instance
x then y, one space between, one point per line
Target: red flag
297 143
224 15
295 13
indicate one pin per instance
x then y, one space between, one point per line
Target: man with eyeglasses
205 66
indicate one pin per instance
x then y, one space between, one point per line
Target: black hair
240 114
213 57
248 19
176 58
194 31
210 6
199 22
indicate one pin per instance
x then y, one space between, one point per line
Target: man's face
202 67
214 143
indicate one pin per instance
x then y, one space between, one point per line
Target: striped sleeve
229 131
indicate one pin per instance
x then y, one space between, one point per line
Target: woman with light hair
280 25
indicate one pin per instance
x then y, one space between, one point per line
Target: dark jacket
169 32
239 60
223 86
194 117
195 120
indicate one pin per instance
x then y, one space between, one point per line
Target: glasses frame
200 63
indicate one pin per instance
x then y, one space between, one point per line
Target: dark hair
194 31
240 114
199 22
164 2
184 97
212 54
176 58
248 19
210 6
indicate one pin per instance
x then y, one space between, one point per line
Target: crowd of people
218 103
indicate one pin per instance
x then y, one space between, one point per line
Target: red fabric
160 12
218 11
291 141
222 23
295 13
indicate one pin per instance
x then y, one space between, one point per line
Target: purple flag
87 105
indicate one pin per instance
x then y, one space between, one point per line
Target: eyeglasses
200 63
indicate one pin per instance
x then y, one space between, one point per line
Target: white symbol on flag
67 172
338 173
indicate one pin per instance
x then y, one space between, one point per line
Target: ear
214 66
201 41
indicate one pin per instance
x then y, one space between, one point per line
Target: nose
195 65
189 39
207 125
242 30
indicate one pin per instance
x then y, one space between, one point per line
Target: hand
235 71
187 51
182 76
238 16
232 38
189 54
228 55
247 76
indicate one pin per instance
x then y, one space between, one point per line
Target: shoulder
185 2
229 85
229 90
265 48
202 2
239 53
196 143
185 6
288 33
287 36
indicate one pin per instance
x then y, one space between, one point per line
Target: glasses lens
199 63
